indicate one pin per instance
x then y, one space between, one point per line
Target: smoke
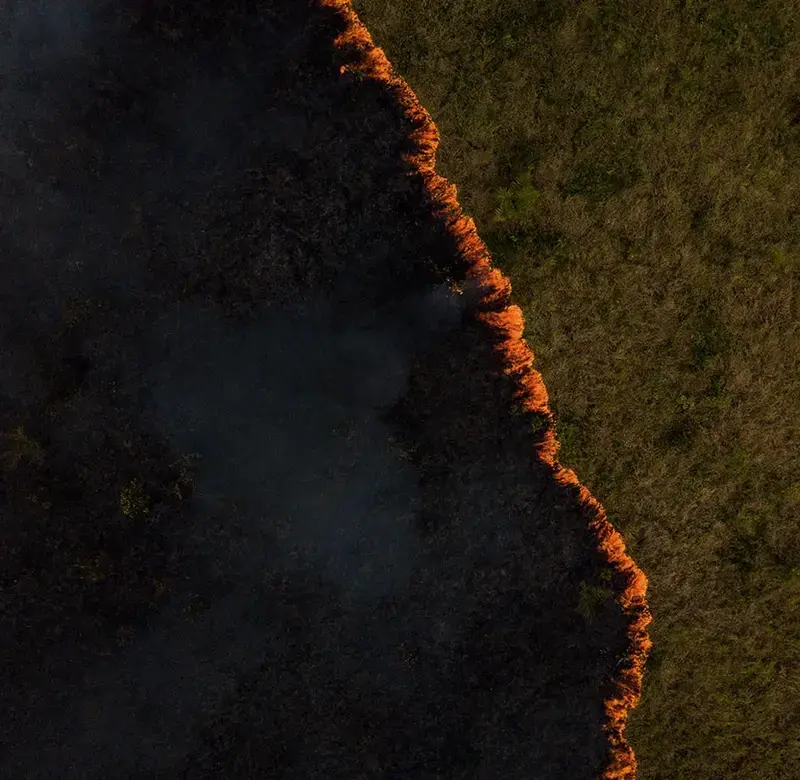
36 34
284 416
284 419
99 130
52 232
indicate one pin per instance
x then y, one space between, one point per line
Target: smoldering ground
281 417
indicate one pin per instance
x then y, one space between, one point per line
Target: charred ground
227 319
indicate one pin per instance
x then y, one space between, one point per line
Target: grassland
633 169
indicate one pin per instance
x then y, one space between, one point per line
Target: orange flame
507 323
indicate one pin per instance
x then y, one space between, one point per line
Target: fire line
507 325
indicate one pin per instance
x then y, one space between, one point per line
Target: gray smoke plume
283 416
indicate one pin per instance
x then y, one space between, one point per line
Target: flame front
507 325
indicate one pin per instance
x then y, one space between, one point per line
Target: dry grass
631 168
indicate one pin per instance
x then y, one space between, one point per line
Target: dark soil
267 507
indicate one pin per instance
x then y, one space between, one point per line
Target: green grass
633 169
